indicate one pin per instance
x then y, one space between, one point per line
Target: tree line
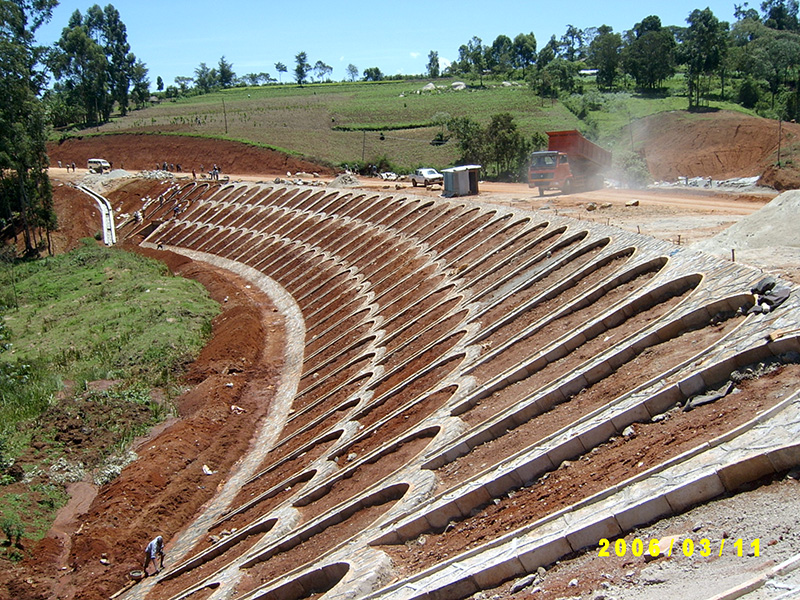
26 199
760 52
94 69
754 61
207 79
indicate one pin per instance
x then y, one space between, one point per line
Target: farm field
341 123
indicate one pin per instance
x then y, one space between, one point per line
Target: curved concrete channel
405 313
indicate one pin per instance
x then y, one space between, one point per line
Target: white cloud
444 64
415 55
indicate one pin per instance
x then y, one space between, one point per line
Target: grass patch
101 313
94 314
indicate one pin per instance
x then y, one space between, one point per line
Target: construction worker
154 548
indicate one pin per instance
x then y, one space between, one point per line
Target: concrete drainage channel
437 331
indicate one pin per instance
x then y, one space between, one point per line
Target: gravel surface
768 513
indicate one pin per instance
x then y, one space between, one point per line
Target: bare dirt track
136 152
163 490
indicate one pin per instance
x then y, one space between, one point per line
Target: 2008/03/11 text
689 547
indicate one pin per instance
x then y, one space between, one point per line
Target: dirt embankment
720 145
165 488
162 491
136 152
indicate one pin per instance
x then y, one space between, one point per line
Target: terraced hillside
470 392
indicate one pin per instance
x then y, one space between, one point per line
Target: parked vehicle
98 165
426 177
571 163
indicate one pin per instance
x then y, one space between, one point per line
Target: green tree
226 76
433 64
749 93
506 148
477 57
141 84
547 54
500 55
183 83
562 73
80 67
702 51
461 64
93 64
60 110
743 51
779 14
25 191
649 53
543 80
605 55
524 51
352 72
280 68
205 78
301 68
321 70
775 56
373 74
571 44
471 139
499 147
159 84
120 59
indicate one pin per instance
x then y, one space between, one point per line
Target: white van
98 165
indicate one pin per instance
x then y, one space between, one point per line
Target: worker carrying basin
571 163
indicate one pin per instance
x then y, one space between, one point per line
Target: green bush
749 93
13 528
631 169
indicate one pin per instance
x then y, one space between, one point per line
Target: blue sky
174 37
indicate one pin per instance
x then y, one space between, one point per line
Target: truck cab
550 170
571 163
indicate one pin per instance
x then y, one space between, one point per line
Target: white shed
461 180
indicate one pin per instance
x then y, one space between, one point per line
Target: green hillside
340 123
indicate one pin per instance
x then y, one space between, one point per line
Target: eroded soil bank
162 491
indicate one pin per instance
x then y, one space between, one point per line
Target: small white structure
461 181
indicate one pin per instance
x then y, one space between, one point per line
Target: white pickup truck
426 177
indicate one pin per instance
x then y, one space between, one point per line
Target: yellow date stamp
674 545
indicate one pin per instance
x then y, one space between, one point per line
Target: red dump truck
571 163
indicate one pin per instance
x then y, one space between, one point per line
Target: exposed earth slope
419 404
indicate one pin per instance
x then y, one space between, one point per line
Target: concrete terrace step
408 307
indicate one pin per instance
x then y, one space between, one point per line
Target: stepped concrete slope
448 356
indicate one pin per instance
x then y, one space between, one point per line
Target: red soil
160 492
136 152
164 490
